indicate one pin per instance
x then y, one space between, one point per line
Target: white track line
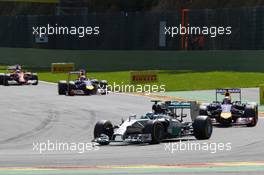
46 82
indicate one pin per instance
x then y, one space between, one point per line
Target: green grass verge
175 80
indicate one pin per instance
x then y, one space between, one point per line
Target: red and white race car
17 76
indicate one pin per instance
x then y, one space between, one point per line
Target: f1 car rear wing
175 105
232 91
14 67
155 101
74 73
180 105
228 92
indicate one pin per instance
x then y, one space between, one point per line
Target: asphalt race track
37 114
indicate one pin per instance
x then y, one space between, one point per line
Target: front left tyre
62 87
103 127
156 129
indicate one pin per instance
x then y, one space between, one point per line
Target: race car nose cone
89 87
226 115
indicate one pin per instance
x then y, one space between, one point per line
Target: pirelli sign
138 77
62 67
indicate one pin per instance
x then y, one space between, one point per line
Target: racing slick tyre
95 81
203 112
156 129
70 89
62 87
103 85
202 128
2 79
5 80
103 127
35 78
252 111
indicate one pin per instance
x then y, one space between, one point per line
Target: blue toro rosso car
154 127
228 112
82 85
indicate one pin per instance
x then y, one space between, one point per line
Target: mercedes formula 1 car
82 85
230 112
154 127
16 76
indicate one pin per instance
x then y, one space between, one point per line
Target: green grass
175 80
3 68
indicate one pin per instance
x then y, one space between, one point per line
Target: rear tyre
103 127
2 79
202 127
203 112
70 89
252 112
103 84
5 80
62 87
157 131
35 78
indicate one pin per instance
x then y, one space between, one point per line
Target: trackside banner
143 76
62 67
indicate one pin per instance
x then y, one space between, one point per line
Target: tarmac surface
35 115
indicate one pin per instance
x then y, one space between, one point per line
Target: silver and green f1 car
155 127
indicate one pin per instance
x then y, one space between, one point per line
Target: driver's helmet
227 100
82 75
18 67
167 103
